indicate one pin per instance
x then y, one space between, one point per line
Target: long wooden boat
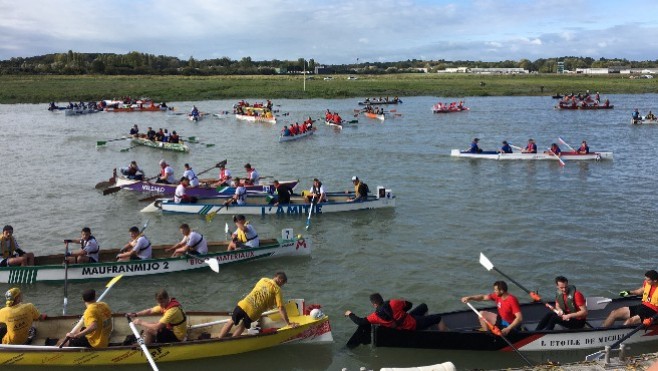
464 334
259 205
290 138
375 116
50 268
449 110
377 102
566 156
202 191
584 107
149 107
269 120
344 123
176 147
644 122
79 111
202 342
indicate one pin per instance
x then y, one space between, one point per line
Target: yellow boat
202 341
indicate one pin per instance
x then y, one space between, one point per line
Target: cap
162 162
355 178
8 228
11 295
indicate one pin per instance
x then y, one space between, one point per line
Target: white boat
50 267
269 120
565 156
290 138
259 205
644 121
342 124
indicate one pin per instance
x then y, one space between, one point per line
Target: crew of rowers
581 100
156 136
296 129
381 100
531 147
453 106
256 109
333 117
637 118
375 110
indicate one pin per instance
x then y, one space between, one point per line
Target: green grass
41 89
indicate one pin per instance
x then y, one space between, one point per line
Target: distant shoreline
61 89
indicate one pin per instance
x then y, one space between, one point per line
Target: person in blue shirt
285 132
636 115
506 148
555 149
584 148
474 146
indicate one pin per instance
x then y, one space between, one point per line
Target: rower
12 254
252 175
584 148
531 147
172 326
89 249
393 314
245 235
134 131
180 195
509 312
224 176
506 148
647 309
554 150
474 146
97 324
18 317
166 173
570 308
192 243
240 195
139 247
191 175
133 171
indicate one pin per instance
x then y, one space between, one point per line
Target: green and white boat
176 147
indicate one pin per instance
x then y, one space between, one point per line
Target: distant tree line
135 63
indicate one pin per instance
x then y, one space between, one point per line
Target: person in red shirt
395 313
648 308
570 308
293 129
509 311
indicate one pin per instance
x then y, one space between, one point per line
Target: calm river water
592 222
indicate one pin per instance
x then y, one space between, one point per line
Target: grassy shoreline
43 89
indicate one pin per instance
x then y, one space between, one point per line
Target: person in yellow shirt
265 295
172 326
97 324
17 318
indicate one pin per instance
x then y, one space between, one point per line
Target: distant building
320 70
486 71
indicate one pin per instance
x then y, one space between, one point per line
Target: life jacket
83 244
242 235
569 305
650 296
222 174
394 314
172 304
8 247
241 195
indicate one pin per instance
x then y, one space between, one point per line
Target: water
592 222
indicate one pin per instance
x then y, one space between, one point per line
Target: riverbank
42 89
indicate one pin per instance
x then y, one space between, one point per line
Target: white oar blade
595 356
213 264
486 263
226 228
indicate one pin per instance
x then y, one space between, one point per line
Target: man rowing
474 146
133 171
166 173
97 324
584 148
89 249
245 235
138 248
360 190
252 175
638 313
224 176
180 194
265 295
554 150
506 148
17 317
509 311
531 147
191 176
12 254
192 243
395 314
570 308
240 195
172 326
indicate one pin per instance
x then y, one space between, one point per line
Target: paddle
194 141
550 152
116 189
566 144
496 331
104 142
140 341
212 263
226 230
601 353
211 215
100 298
66 276
516 147
129 148
213 323
310 211
223 162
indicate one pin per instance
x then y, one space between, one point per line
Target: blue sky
334 32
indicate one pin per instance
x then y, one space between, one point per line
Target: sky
336 31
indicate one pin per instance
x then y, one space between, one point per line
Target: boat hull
377 102
258 205
591 107
374 116
566 156
269 120
273 332
176 147
343 124
51 269
465 336
644 122
291 138
168 190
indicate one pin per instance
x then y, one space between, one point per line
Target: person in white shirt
252 175
89 249
139 247
240 195
166 173
192 243
317 193
245 235
191 175
224 176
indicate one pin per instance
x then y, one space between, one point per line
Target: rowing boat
644 122
375 116
135 108
584 107
464 333
342 124
493 155
202 191
449 110
50 268
289 138
259 205
202 339
79 111
176 147
269 120
374 102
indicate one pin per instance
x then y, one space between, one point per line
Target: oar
66 276
516 147
140 341
223 162
226 230
212 263
100 298
496 331
194 141
550 152
646 323
566 144
310 211
129 148
210 216
219 322
104 142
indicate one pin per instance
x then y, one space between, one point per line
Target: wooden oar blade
101 143
486 263
111 190
113 281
